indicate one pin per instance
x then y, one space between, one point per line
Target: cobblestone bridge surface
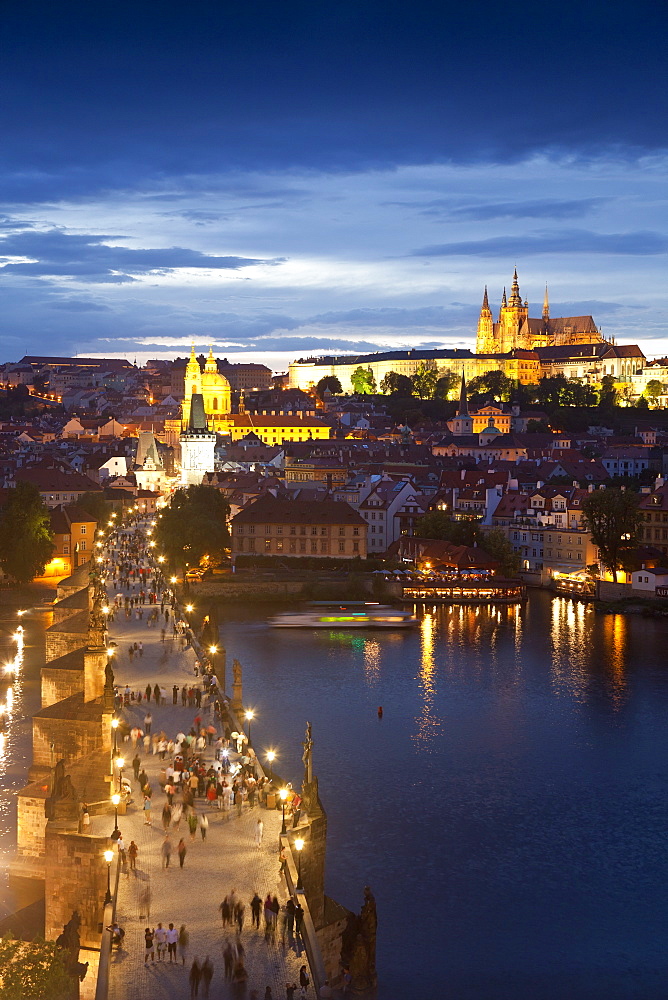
227 859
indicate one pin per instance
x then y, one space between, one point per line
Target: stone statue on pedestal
358 946
70 943
62 803
108 700
237 688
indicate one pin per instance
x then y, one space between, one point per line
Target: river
509 810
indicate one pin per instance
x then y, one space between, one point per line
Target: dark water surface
510 810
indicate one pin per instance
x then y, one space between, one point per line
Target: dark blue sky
236 172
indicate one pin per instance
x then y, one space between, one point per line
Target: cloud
78 305
87 257
393 316
546 208
637 244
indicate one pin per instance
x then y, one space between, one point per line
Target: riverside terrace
235 854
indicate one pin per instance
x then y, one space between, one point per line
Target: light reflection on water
512 798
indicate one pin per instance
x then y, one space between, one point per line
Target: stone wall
31 824
71 605
330 938
76 879
261 589
62 677
67 636
64 739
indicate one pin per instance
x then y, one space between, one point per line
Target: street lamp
249 716
299 845
283 794
161 559
120 764
212 652
116 799
108 857
190 608
173 579
114 727
271 757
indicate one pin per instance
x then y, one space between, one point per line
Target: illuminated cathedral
212 387
516 330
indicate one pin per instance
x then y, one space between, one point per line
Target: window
66 550
324 547
373 529
279 529
239 529
302 545
314 530
302 531
323 531
314 545
293 545
251 545
83 529
267 545
215 402
82 546
267 529
342 531
342 546
293 529
356 546
373 516
279 544
356 531
251 529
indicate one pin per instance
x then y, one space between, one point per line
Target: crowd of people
209 767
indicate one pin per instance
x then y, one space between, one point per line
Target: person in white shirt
172 936
160 940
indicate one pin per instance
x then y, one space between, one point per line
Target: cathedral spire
463 401
546 306
485 300
211 365
515 297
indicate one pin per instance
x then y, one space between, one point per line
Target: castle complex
516 330
523 348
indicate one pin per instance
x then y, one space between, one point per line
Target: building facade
319 528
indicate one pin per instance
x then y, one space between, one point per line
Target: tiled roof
270 510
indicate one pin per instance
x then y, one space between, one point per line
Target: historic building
198 444
277 527
515 330
213 387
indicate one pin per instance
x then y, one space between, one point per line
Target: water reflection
372 661
428 723
574 627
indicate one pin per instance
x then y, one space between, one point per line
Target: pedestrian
145 902
161 941
148 722
122 853
228 959
133 851
268 995
182 851
259 829
172 939
304 979
194 978
156 694
147 810
136 765
148 945
325 992
256 909
203 825
207 975
148 689
184 941
166 816
166 851
192 824
175 690
299 923
239 913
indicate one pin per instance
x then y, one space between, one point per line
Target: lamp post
299 845
120 764
271 757
189 608
212 652
114 750
108 857
250 715
115 798
283 794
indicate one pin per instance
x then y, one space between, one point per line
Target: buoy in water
380 711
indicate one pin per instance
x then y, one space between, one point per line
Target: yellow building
213 387
274 429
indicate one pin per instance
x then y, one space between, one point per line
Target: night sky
288 178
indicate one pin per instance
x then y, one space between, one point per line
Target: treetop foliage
194 525
26 541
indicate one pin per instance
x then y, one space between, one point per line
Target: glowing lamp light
108 856
161 559
190 608
271 756
299 844
152 544
120 763
283 794
111 651
173 579
116 799
19 613
114 723
105 609
250 715
213 650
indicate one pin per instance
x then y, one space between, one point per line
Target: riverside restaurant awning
466 591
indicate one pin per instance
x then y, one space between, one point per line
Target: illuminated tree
329 383
194 525
446 385
613 520
653 390
363 382
424 379
25 534
34 969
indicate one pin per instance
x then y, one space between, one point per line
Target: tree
394 384
424 379
194 525
613 520
439 524
34 969
25 534
362 381
95 505
607 397
496 544
329 383
653 390
493 383
538 427
446 384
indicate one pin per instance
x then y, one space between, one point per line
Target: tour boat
350 615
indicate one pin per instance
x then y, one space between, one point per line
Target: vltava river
510 810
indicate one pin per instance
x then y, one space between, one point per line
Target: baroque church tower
485 343
213 387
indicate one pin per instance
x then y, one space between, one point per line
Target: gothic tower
513 320
198 445
485 343
192 384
